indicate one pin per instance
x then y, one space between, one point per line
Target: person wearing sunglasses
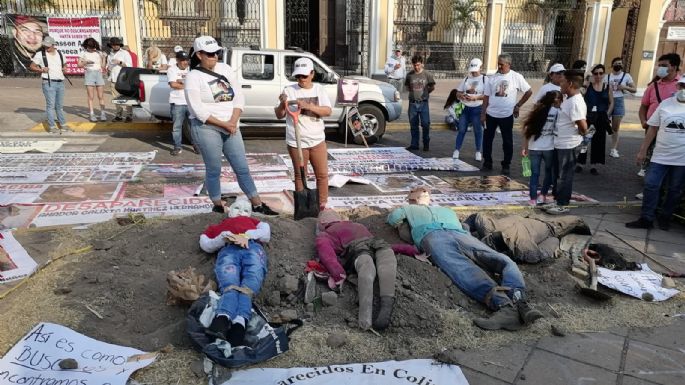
215 103
600 103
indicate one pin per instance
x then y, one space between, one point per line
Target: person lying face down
467 261
345 246
240 268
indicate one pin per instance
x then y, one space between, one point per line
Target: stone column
494 34
597 25
646 41
130 25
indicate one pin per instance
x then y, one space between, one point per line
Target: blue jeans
212 144
419 114
179 113
467 261
243 268
656 173
470 115
506 126
566 165
536 159
54 101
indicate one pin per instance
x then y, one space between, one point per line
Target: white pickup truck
262 75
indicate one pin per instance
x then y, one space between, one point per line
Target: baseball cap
303 66
557 68
475 65
206 44
48 41
182 55
178 49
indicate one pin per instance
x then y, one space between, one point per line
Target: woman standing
314 104
471 95
600 105
93 61
215 102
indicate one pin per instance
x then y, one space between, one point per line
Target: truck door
257 80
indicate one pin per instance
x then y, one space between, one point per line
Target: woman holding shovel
304 104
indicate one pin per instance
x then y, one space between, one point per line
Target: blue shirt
424 219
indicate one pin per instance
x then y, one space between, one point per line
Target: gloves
186 286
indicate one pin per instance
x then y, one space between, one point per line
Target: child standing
450 107
538 131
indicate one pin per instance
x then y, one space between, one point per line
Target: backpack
263 339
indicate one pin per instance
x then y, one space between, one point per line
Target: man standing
619 82
116 60
179 108
556 73
419 84
500 108
396 69
49 62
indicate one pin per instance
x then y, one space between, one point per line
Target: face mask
680 95
662 72
240 208
617 68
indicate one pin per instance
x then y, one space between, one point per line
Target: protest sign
26 33
20 193
21 146
273 181
483 183
79 192
636 283
69 174
73 159
417 372
35 359
15 262
17 216
372 154
173 173
268 161
449 199
69 33
395 182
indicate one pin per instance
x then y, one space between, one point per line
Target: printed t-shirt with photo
94 57
572 110
312 130
544 90
546 140
207 95
176 74
670 139
54 65
614 80
473 85
417 84
502 91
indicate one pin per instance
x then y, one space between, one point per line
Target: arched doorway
672 35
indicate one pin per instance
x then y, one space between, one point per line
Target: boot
507 317
219 327
384 313
236 335
527 313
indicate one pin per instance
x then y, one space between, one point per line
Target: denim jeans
467 261
656 173
419 114
536 159
212 144
243 268
506 126
470 115
179 113
54 101
566 165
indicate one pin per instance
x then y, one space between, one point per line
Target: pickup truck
262 75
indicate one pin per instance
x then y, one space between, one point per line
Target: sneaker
263 209
532 202
542 199
93 118
507 317
527 313
479 156
614 153
455 154
53 130
175 151
557 210
129 119
117 119
641 223
642 172
639 196
65 128
412 148
593 171
103 116
219 209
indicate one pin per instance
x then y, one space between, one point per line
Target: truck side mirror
329 78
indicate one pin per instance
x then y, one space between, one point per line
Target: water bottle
587 138
525 166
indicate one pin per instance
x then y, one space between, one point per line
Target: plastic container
525 166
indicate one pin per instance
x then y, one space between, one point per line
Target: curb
109 127
404 126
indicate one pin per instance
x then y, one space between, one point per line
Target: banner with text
15 262
22 146
69 33
451 199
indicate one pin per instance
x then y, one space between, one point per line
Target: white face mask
680 95
662 72
240 208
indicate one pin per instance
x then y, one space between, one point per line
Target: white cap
475 65
681 80
557 68
303 66
178 48
205 43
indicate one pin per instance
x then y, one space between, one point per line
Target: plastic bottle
525 166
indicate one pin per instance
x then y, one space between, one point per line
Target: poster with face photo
27 34
354 122
221 90
348 92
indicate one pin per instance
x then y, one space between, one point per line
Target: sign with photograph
26 33
348 92
69 34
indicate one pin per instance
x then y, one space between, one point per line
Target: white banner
268 161
15 262
69 33
21 146
35 359
636 283
82 159
372 154
452 199
416 372
20 193
273 181
70 174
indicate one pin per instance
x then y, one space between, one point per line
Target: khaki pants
318 157
120 108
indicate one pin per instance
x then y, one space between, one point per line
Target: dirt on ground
124 280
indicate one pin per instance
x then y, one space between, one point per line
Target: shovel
591 290
307 200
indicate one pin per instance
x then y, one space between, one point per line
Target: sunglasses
598 73
211 54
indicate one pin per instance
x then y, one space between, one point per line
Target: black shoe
263 209
129 119
593 171
219 209
236 335
426 147
382 320
507 317
664 223
487 166
219 328
412 148
528 314
175 151
641 223
579 169
506 170
117 119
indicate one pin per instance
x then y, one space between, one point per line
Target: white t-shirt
176 74
159 62
473 85
207 96
95 57
172 62
396 73
544 90
566 131
546 140
311 127
54 64
614 80
502 91
670 139
115 57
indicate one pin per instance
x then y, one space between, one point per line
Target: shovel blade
306 203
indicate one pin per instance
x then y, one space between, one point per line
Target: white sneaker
642 172
541 199
614 153
557 210
639 196
103 116
455 154
479 156
93 118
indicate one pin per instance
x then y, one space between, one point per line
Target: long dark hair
451 98
90 42
536 120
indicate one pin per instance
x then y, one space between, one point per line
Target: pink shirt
666 90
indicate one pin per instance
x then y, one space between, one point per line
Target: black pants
506 125
599 141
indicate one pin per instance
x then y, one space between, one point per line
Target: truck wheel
187 136
375 120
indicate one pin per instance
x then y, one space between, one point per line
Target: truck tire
187 136
374 116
